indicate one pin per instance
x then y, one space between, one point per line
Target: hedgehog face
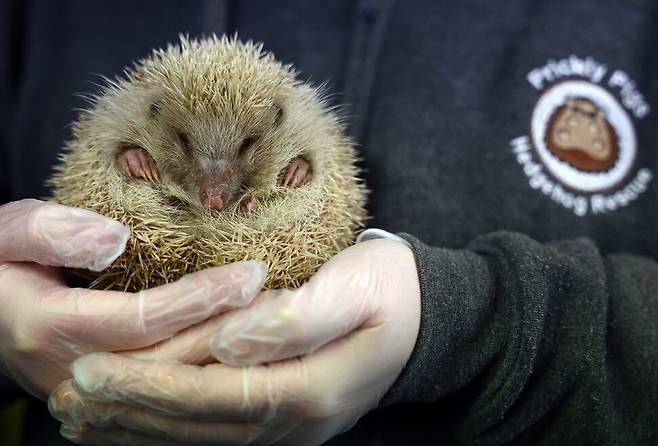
209 153
213 116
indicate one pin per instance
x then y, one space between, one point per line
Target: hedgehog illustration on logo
579 134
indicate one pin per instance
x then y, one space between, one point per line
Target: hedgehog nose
215 197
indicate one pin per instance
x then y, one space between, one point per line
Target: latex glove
44 325
341 340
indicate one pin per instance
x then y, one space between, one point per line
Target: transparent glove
44 325
298 366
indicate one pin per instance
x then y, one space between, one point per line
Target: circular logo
583 136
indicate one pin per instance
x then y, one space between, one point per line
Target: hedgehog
211 151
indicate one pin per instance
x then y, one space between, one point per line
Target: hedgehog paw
137 163
248 205
295 174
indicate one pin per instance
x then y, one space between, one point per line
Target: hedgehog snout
217 182
215 197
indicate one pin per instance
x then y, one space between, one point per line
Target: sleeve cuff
454 288
374 233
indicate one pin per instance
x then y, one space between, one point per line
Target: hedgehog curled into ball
205 126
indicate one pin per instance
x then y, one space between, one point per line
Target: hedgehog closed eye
185 140
246 143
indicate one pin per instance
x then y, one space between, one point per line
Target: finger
147 165
284 324
111 437
56 235
185 346
147 172
214 392
154 169
112 320
290 174
135 166
349 369
124 165
143 163
67 406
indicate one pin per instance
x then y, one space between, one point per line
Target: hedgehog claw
248 205
137 163
295 174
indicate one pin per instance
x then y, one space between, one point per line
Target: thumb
56 235
283 324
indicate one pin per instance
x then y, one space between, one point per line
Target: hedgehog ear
154 109
279 115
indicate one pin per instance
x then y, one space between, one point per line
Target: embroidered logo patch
581 150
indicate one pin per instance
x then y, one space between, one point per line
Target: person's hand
299 366
44 325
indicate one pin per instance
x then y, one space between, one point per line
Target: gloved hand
338 343
44 325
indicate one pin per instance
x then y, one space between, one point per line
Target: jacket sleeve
532 343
